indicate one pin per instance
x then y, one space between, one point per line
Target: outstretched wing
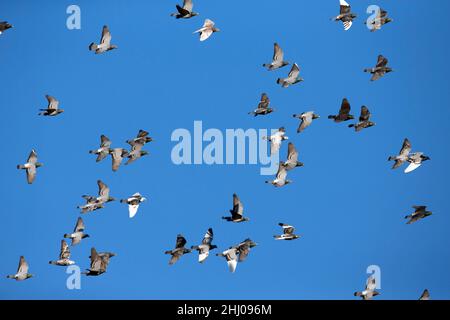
103 189
23 265
292 153
65 251
207 239
181 241
278 54
406 148
79 227
52 102
238 208
382 61
345 108
365 114
295 71
106 36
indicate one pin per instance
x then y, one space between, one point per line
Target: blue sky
346 202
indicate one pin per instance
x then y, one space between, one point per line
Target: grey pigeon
402 157
103 151
292 78
344 112
117 155
364 120
277 60
78 233
292 158
345 15
207 30
306 120
52 108
425 295
133 203
205 247
288 233
142 138
263 107
237 211
369 292
419 213
22 271
64 256
185 12
4 25
280 179
231 256
136 151
105 42
380 69
99 263
31 166
380 20
179 250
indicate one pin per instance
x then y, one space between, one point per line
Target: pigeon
78 233
99 263
425 295
277 60
292 158
133 203
263 107
31 166
369 292
402 157
64 256
142 138
104 149
52 108
419 213
364 121
185 12
22 271
380 69
207 30
280 179
237 211
231 256
415 160
276 139
179 250
306 120
94 203
105 42
380 20
345 15
288 233
244 247
292 78
206 246
117 155
344 112
4 25
136 151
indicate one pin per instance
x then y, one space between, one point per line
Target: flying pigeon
280 179
288 233
292 78
419 213
345 15
206 246
94 203
179 249
292 158
237 211
142 138
185 12
244 247
99 263
133 203
207 30
369 292
22 271
380 20
64 256
415 160
425 295
105 42
402 157
136 151
276 139
78 233
52 108
103 151
117 155
364 120
344 112
380 69
4 26
306 119
231 256
31 166
263 107
277 60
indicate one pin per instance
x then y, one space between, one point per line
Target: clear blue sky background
346 202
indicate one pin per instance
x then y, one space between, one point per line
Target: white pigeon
207 30
276 139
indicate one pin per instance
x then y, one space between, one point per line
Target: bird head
39 164
351 117
425 158
144 153
85 236
213 246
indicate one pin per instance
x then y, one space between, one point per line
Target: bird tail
358 294
93 46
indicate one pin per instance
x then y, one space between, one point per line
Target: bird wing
265 101
282 173
96 260
133 209
52 102
175 257
31 174
103 189
142 134
382 61
365 114
371 284
104 141
207 239
344 6
278 54
205 34
23 265
412 166
208 24
238 208
79 227
287 229
345 108
106 36
65 251
292 153
295 71
406 148
188 5
32 158
181 241
425 295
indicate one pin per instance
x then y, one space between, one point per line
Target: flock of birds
99 261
